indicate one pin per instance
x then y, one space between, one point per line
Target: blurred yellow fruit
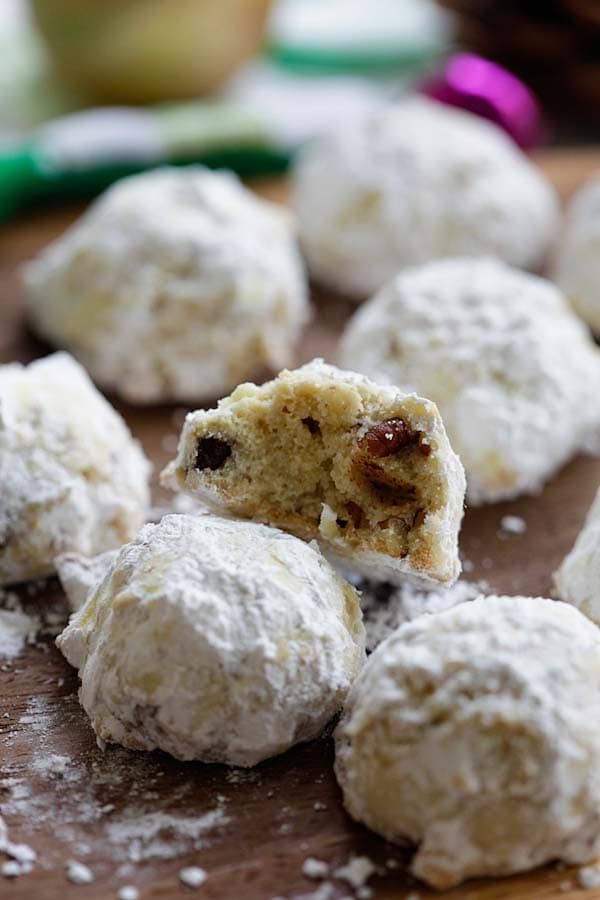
138 51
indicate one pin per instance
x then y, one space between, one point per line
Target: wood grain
272 822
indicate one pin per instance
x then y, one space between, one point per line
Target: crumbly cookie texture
514 372
364 469
215 640
577 268
474 733
176 285
73 479
415 182
577 580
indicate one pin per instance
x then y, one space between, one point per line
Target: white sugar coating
314 452
192 876
577 264
215 640
577 579
475 734
79 575
74 480
513 371
415 182
175 285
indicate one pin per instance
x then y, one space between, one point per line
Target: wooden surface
266 820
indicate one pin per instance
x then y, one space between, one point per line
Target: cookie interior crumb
340 460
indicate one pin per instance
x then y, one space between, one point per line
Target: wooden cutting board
138 818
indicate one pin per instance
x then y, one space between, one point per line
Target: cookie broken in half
325 454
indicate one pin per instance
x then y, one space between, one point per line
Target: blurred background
244 82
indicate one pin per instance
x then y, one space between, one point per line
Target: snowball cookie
414 182
177 284
578 258
475 734
73 479
577 580
365 469
215 640
513 371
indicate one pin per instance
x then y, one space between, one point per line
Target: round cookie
415 182
328 455
513 371
215 640
73 478
577 269
577 580
475 734
176 285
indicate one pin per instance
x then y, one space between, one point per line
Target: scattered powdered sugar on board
21 856
17 629
78 873
56 765
325 891
155 835
385 607
315 868
20 627
192 876
356 872
588 877
128 892
78 795
512 525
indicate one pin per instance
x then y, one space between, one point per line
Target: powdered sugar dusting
514 373
77 795
151 836
21 856
16 630
21 626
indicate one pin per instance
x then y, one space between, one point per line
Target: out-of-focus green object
141 51
81 154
